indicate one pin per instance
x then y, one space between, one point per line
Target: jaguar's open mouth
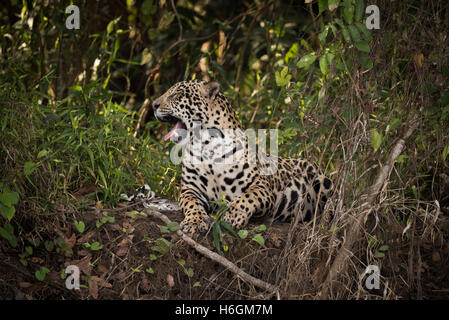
178 125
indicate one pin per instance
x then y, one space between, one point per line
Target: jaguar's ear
211 89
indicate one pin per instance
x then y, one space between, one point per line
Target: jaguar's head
187 103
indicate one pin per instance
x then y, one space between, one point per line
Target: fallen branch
366 207
216 257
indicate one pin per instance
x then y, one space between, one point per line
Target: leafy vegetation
77 131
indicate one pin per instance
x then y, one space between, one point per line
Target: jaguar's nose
155 106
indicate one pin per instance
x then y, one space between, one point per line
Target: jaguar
219 163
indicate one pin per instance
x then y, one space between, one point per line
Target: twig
354 229
216 257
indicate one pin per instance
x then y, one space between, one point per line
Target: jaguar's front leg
257 200
195 215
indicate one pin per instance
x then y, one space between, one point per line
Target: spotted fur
297 187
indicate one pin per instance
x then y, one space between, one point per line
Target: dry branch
354 229
216 257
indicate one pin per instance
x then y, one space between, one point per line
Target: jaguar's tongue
177 126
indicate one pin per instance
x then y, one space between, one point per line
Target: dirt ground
130 263
121 268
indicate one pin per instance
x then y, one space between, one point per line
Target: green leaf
334 29
146 56
384 248
363 46
292 52
8 227
9 198
162 246
393 124
133 214
379 254
173 226
153 257
42 153
323 35
164 229
40 274
346 35
365 61
7 212
163 242
355 35
80 226
329 58
259 239
359 10
77 89
100 222
182 262
306 45
323 65
340 23
92 159
401 158
445 152
322 5
103 179
282 77
348 11
228 228
372 242
307 60
260 228
49 245
366 33
216 234
243 234
29 250
29 167
111 25
189 272
149 270
45 269
34 242
376 139
8 234
197 284
95 246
